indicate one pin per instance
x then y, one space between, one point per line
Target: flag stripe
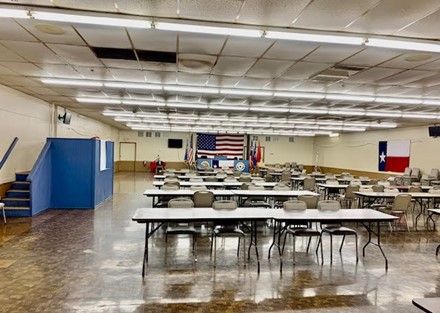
398 148
211 145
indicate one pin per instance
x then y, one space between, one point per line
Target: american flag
228 145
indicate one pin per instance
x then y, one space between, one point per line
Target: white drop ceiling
28 55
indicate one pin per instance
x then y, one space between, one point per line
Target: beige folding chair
335 229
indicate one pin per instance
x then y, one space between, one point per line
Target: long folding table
270 193
154 215
157 193
226 185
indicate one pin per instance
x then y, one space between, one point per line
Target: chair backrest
196 179
332 182
294 205
329 205
180 203
257 179
245 186
198 187
170 174
401 202
351 189
415 189
434 173
355 182
230 180
434 190
415 172
211 179
407 171
170 186
384 183
245 179
171 178
310 200
281 187
309 183
255 187
224 205
203 199
391 190
285 176
378 188
329 175
369 189
373 182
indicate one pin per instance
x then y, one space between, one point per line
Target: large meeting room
219 156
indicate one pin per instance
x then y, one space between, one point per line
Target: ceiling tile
128 75
200 44
60 70
304 70
254 83
153 40
233 66
154 77
433 66
101 5
25 69
371 56
21 81
265 68
70 37
159 67
288 50
99 73
401 61
225 10
425 82
282 84
129 64
9 30
9 55
101 36
192 79
6 71
310 86
332 53
76 55
423 28
223 81
391 15
321 14
372 74
43 91
33 51
163 8
405 77
246 47
271 12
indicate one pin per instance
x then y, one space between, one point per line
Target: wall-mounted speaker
434 131
65 118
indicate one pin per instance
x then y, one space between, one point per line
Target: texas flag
394 155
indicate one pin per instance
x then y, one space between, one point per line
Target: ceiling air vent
352 69
129 54
330 75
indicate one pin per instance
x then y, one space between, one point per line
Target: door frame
135 152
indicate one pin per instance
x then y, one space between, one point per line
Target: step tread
21 182
19 190
25 172
17 208
15 199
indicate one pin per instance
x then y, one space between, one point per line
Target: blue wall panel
72 161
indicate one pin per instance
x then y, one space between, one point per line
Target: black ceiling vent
156 56
114 53
353 68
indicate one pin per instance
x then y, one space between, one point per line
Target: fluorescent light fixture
213 118
71 82
144 103
182 122
233 124
404 45
268 109
336 123
302 122
346 112
155 116
202 29
282 126
431 102
273 120
354 129
99 100
246 92
421 116
385 125
208 123
244 119
12 13
307 126
383 114
121 113
398 100
87 19
133 86
283 94
187 105
127 119
182 117
309 111
322 132
228 107
350 98
345 40
191 89
334 135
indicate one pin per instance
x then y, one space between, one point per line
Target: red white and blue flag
189 155
211 145
394 155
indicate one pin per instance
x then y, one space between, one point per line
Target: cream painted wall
27 118
83 127
278 150
359 151
32 121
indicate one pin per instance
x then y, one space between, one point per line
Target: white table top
184 192
143 215
273 193
431 305
215 184
392 195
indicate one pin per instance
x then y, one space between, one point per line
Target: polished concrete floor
91 260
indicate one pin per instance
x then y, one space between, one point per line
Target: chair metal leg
238 248
331 249
342 243
4 214
357 253
215 251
